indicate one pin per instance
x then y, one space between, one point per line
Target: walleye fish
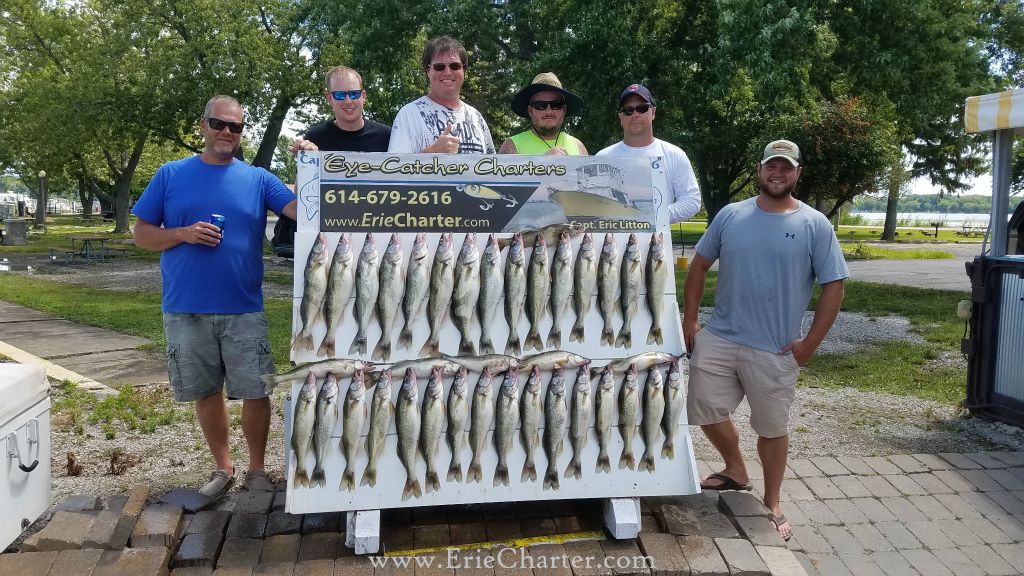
579 422
631 275
354 413
442 283
407 421
555 417
455 434
326 418
629 409
656 277
497 363
553 359
561 288
313 289
417 281
466 292
367 287
607 287
506 418
380 419
340 282
674 402
654 411
392 284
479 423
432 414
490 292
604 409
302 428
550 233
584 278
340 367
515 292
538 290
643 361
531 412
424 366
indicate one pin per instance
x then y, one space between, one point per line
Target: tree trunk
265 153
123 186
85 196
889 229
40 218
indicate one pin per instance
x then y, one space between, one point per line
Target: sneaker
218 484
258 481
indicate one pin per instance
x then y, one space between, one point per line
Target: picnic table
969 230
88 251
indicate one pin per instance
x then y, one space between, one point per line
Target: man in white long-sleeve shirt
636 114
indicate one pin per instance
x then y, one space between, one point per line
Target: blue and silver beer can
218 221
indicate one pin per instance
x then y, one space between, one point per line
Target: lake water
949 220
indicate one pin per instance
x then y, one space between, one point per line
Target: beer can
218 221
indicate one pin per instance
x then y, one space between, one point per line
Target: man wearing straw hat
546 104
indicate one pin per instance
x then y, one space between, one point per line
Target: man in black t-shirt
349 131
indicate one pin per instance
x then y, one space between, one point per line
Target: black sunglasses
440 66
543 104
217 125
340 95
641 109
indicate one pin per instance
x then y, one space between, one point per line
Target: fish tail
555 337
326 347
603 464
433 482
431 349
607 336
358 344
455 472
301 479
513 347
486 346
572 470
576 335
646 462
348 480
383 349
533 341
627 460
269 382
625 338
501 475
405 338
303 340
369 477
529 471
466 347
318 478
655 335
551 479
668 449
474 474
412 488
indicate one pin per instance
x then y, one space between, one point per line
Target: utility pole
41 204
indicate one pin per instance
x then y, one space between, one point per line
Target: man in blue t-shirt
212 296
770 249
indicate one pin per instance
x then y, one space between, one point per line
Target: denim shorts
210 352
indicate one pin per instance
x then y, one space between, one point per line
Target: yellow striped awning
999 111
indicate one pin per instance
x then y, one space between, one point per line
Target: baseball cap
782 149
638 89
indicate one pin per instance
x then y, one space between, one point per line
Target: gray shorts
208 352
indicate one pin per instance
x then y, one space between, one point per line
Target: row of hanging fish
468 285
539 418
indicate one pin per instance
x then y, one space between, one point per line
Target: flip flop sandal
726 483
779 521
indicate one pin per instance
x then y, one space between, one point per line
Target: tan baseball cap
782 149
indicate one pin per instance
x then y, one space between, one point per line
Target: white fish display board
402 202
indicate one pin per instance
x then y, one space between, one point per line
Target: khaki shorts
723 372
210 352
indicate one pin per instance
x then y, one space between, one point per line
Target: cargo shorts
723 372
210 352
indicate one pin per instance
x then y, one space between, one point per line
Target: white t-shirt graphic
420 123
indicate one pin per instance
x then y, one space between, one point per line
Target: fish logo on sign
487 196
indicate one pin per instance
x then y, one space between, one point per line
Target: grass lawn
862 251
896 367
58 229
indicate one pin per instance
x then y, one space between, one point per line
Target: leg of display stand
362 531
622 517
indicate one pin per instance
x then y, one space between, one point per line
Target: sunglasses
217 125
543 104
641 109
340 95
440 66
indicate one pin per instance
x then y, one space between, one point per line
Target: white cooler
25 441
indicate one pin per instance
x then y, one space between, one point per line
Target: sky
981 185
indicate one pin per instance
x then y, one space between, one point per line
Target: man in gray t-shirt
771 249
